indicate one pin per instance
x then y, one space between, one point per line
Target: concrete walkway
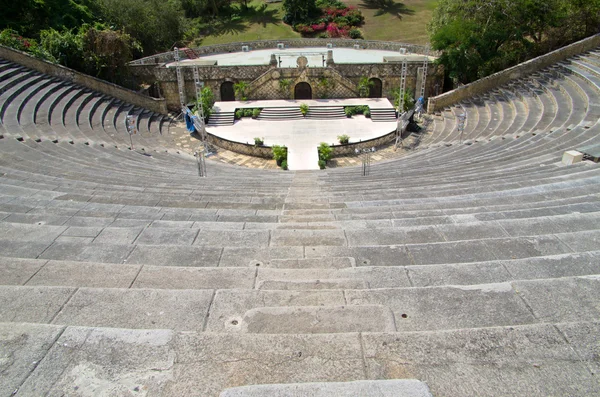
303 136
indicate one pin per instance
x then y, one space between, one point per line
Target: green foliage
30 17
240 89
326 85
239 113
330 3
256 113
106 53
352 110
322 164
304 109
284 165
11 38
364 86
356 34
343 139
279 153
409 100
155 24
259 141
97 50
367 113
325 151
284 87
207 98
480 38
65 46
248 112
299 11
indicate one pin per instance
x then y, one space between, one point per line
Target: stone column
330 58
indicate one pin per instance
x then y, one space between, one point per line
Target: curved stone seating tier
473 267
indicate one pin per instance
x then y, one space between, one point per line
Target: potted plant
259 141
344 139
324 154
279 154
304 109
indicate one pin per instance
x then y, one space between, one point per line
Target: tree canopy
481 37
298 11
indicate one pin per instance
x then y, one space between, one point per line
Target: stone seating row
472 267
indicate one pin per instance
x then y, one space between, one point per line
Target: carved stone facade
333 81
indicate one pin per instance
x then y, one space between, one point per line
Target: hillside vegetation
476 37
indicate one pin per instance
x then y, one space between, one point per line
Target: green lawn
264 25
405 22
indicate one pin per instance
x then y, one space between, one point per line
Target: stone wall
132 97
264 79
267 152
290 43
343 150
516 72
238 147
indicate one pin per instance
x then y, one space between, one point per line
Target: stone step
313 311
364 388
546 359
317 319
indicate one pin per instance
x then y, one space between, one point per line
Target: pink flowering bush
336 21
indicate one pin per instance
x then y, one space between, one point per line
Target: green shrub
247 112
239 113
259 141
349 110
304 109
284 165
355 34
322 164
344 139
367 113
279 153
256 113
324 151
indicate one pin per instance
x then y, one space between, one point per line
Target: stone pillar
330 58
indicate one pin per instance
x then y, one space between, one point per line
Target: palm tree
240 90
364 86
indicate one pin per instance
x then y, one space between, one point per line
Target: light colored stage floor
288 57
303 136
374 103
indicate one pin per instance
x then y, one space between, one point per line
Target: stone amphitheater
453 269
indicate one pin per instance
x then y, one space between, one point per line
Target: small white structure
572 157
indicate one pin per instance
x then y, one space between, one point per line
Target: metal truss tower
199 85
424 80
180 80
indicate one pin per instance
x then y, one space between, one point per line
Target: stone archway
303 90
227 92
375 89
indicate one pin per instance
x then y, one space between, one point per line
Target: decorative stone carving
302 62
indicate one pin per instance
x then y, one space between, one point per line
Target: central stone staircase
474 269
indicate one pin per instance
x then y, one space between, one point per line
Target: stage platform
303 135
373 103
